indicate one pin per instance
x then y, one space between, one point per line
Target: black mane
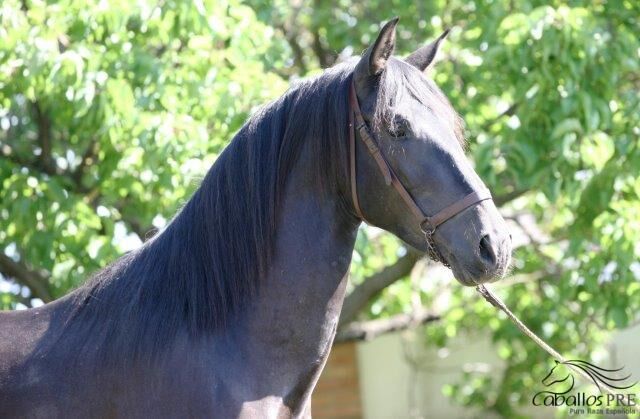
208 261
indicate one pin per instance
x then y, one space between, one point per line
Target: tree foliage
111 111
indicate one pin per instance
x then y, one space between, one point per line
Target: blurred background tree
110 112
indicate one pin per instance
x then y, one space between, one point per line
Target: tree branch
292 36
370 329
35 281
44 138
325 59
30 164
143 232
373 285
298 53
510 111
500 200
85 161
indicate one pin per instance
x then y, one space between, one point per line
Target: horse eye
398 130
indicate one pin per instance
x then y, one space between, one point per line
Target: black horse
232 309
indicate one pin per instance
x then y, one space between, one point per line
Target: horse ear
376 56
423 57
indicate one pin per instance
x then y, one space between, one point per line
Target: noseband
428 225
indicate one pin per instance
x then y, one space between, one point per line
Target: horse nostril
487 252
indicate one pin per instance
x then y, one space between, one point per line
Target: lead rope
498 303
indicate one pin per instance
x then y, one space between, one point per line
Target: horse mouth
471 273
472 276
464 279
461 275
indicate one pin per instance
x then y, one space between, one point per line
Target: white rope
497 302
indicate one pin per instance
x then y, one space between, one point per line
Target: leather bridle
428 224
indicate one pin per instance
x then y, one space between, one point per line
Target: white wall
400 378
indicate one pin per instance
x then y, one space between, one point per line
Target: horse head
420 139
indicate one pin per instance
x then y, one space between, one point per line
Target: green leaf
618 315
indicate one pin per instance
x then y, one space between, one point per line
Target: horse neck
291 322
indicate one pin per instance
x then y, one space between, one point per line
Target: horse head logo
561 380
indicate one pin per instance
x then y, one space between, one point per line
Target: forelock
400 79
